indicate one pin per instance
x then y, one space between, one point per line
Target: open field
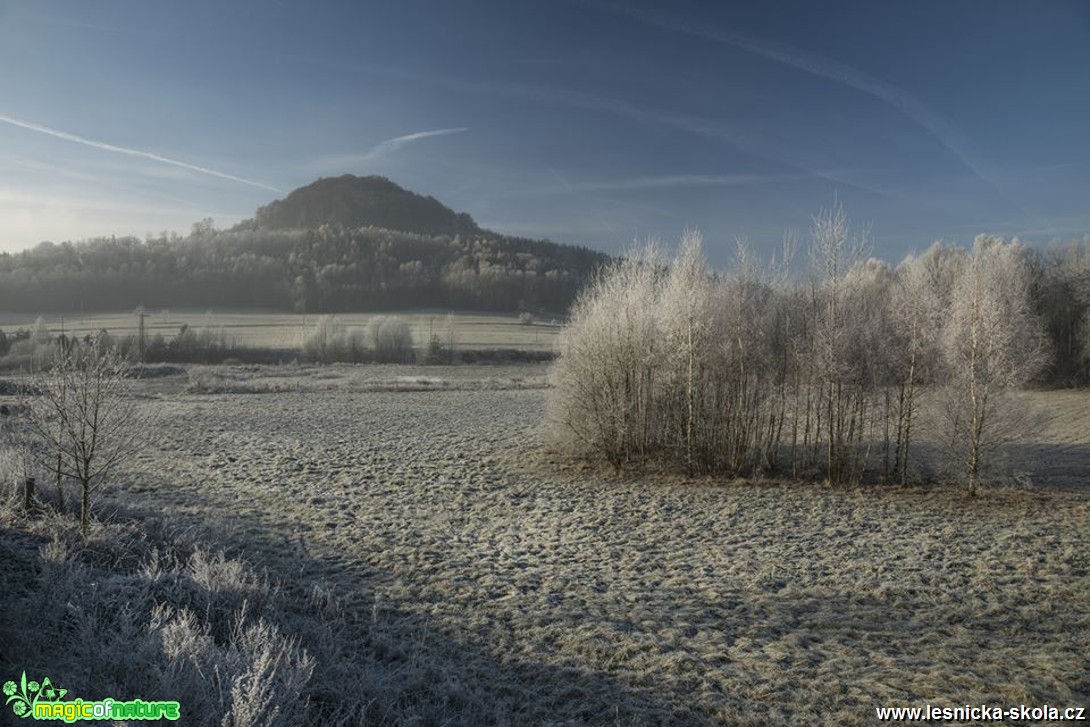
530 590
287 330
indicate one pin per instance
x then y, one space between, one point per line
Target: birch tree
834 249
685 322
992 343
919 304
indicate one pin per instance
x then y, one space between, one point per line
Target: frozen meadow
483 579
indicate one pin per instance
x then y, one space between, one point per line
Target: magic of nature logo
43 701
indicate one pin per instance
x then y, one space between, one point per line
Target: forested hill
352 201
343 260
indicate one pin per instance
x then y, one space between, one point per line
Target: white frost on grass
664 599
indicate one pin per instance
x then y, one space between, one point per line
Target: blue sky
583 121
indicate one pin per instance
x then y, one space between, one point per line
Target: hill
337 245
351 201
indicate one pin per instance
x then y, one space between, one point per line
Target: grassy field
287 330
482 580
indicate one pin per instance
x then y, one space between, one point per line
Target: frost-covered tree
992 342
1062 296
873 349
685 323
834 250
85 418
747 369
740 371
918 308
606 380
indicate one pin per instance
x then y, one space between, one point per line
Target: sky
583 121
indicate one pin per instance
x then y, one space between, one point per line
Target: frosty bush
332 342
392 340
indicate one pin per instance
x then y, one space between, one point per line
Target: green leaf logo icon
23 696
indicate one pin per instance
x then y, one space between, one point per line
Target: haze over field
581 121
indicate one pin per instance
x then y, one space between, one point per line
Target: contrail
661 182
719 132
391 145
56 133
815 65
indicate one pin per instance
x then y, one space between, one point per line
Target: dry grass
441 569
115 616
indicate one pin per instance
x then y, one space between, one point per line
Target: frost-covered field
524 589
287 330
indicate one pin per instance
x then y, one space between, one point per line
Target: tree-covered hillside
330 269
353 201
344 244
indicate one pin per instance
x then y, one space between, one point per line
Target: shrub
391 340
603 399
332 342
436 353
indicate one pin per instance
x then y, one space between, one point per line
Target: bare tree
331 341
85 417
834 250
685 299
873 352
915 343
992 343
745 394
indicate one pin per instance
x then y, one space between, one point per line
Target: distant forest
325 270
338 244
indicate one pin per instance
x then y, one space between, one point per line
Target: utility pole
142 314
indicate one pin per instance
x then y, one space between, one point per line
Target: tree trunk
85 509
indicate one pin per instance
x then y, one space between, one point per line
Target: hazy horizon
581 121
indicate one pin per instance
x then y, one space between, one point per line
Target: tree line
335 269
853 370
325 270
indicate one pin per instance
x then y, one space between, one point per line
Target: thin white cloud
341 162
746 142
642 207
668 181
391 145
1069 227
742 140
66 136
